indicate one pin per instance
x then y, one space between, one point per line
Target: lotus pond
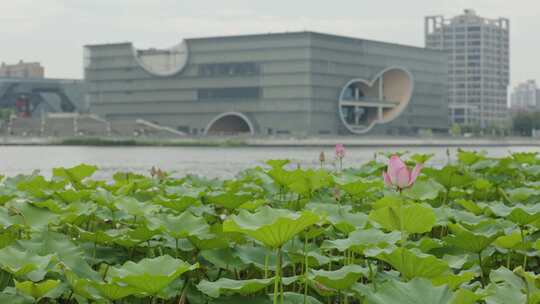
467 232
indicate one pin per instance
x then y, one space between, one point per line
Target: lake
207 161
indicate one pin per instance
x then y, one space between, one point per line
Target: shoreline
272 141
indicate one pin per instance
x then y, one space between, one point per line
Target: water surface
208 161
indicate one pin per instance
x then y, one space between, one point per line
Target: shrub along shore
394 230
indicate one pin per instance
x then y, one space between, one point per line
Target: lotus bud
398 175
340 151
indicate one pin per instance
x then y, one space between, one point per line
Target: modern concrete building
300 83
525 97
22 70
478 52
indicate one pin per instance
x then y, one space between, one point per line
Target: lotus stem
523 241
481 268
277 282
371 275
306 267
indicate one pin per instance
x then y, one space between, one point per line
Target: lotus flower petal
394 165
415 172
387 180
403 177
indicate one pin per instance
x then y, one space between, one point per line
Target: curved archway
230 123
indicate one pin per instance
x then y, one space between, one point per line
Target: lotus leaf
24 263
412 264
150 275
472 241
226 286
340 279
37 290
416 291
414 218
272 227
361 239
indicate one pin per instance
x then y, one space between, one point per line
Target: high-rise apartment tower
478 66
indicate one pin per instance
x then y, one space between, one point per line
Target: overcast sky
54 31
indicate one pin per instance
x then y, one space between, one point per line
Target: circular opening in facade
163 62
364 103
230 124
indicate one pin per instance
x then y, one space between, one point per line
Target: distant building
34 97
22 70
478 52
525 97
300 83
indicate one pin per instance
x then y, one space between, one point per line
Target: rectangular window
229 69
229 93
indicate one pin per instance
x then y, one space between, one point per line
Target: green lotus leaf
357 186
472 241
341 217
133 207
37 186
104 237
303 182
426 244
522 194
177 204
150 275
509 241
449 176
75 174
295 298
24 263
113 291
340 279
70 196
277 163
272 227
224 258
258 256
454 281
227 287
470 206
14 298
418 290
482 185
181 226
519 214
518 286
229 200
295 252
33 217
50 204
67 252
37 290
6 220
413 264
359 240
413 218
423 190
82 287
466 296
142 233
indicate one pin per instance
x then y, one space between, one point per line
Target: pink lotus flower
340 151
398 175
